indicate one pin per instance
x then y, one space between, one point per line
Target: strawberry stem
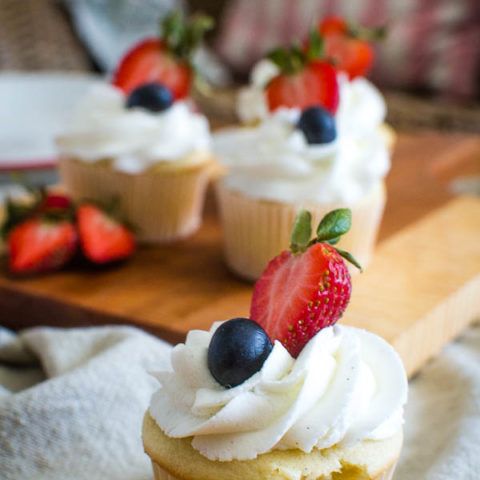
291 60
330 229
183 36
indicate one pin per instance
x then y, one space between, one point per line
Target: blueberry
237 350
318 125
152 96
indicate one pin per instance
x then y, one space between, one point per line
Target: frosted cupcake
255 399
140 140
313 139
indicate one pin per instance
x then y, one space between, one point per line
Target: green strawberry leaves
302 232
183 36
349 258
330 229
316 45
292 60
334 224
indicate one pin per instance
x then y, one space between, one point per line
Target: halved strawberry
348 46
38 203
304 80
306 288
166 60
40 245
57 201
316 84
149 61
103 239
332 24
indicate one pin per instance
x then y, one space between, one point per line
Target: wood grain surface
171 289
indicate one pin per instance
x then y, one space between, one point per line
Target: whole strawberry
308 287
166 60
348 46
304 79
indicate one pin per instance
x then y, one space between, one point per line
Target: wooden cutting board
418 293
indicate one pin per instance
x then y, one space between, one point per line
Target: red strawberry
315 84
149 61
333 24
40 245
348 46
58 201
166 60
306 288
102 238
304 79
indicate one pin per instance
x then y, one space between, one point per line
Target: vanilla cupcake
155 162
287 159
335 412
287 393
140 140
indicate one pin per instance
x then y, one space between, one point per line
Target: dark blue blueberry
237 350
318 125
152 96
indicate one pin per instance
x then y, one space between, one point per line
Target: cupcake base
160 474
162 206
256 230
175 459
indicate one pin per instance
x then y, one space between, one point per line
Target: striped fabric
431 45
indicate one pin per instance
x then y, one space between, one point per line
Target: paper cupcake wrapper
160 474
162 206
256 230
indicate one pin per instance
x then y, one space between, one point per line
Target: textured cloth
430 45
72 401
82 416
35 35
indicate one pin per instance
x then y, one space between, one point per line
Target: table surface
171 289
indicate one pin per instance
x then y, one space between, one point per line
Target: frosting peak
347 385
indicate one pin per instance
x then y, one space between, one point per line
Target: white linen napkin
72 402
81 416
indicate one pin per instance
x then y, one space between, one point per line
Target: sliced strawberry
316 84
306 288
148 62
348 46
38 204
40 245
166 60
304 79
102 238
355 57
332 24
58 201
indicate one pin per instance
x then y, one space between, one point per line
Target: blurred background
428 66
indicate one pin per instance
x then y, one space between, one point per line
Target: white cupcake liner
163 206
256 230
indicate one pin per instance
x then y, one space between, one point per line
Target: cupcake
139 138
312 138
286 393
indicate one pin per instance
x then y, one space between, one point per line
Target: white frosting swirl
347 385
134 138
274 161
